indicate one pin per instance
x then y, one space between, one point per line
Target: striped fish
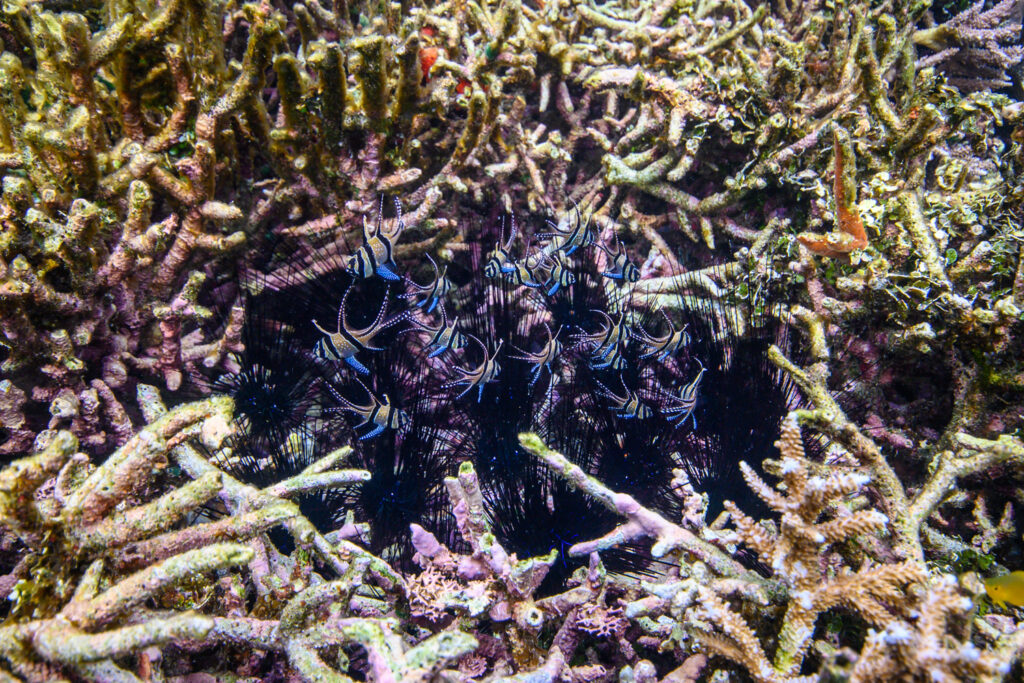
627 407
521 273
664 346
500 260
345 343
432 294
486 372
497 261
685 403
559 275
615 361
608 342
545 357
380 414
620 268
376 255
444 337
576 236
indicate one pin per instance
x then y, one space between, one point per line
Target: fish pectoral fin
357 366
373 433
387 271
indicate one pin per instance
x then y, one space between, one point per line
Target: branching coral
795 551
100 555
819 558
812 149
76 525
94 283
497 590
486 563
822 527
926 649
976 47
130 154
907 514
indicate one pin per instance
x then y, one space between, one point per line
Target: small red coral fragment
428 56
849 233
462 86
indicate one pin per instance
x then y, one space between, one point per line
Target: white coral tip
789 466
860 479
970 652
897 634
804 598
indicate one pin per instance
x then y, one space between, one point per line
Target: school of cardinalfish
545 269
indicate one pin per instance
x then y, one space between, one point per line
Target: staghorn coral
100 217
439 102
80 622
925 649
795 552
816 566
132 553
977 47
499 589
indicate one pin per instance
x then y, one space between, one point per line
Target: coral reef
810 576
838 181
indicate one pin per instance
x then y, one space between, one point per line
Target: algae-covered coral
848 170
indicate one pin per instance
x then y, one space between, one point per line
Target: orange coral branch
849 233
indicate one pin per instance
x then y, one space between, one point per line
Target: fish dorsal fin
576 208
512 232
383 309
434 264
604 315
399 220
342 323
380 217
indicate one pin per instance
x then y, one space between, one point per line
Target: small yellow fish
1008 588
